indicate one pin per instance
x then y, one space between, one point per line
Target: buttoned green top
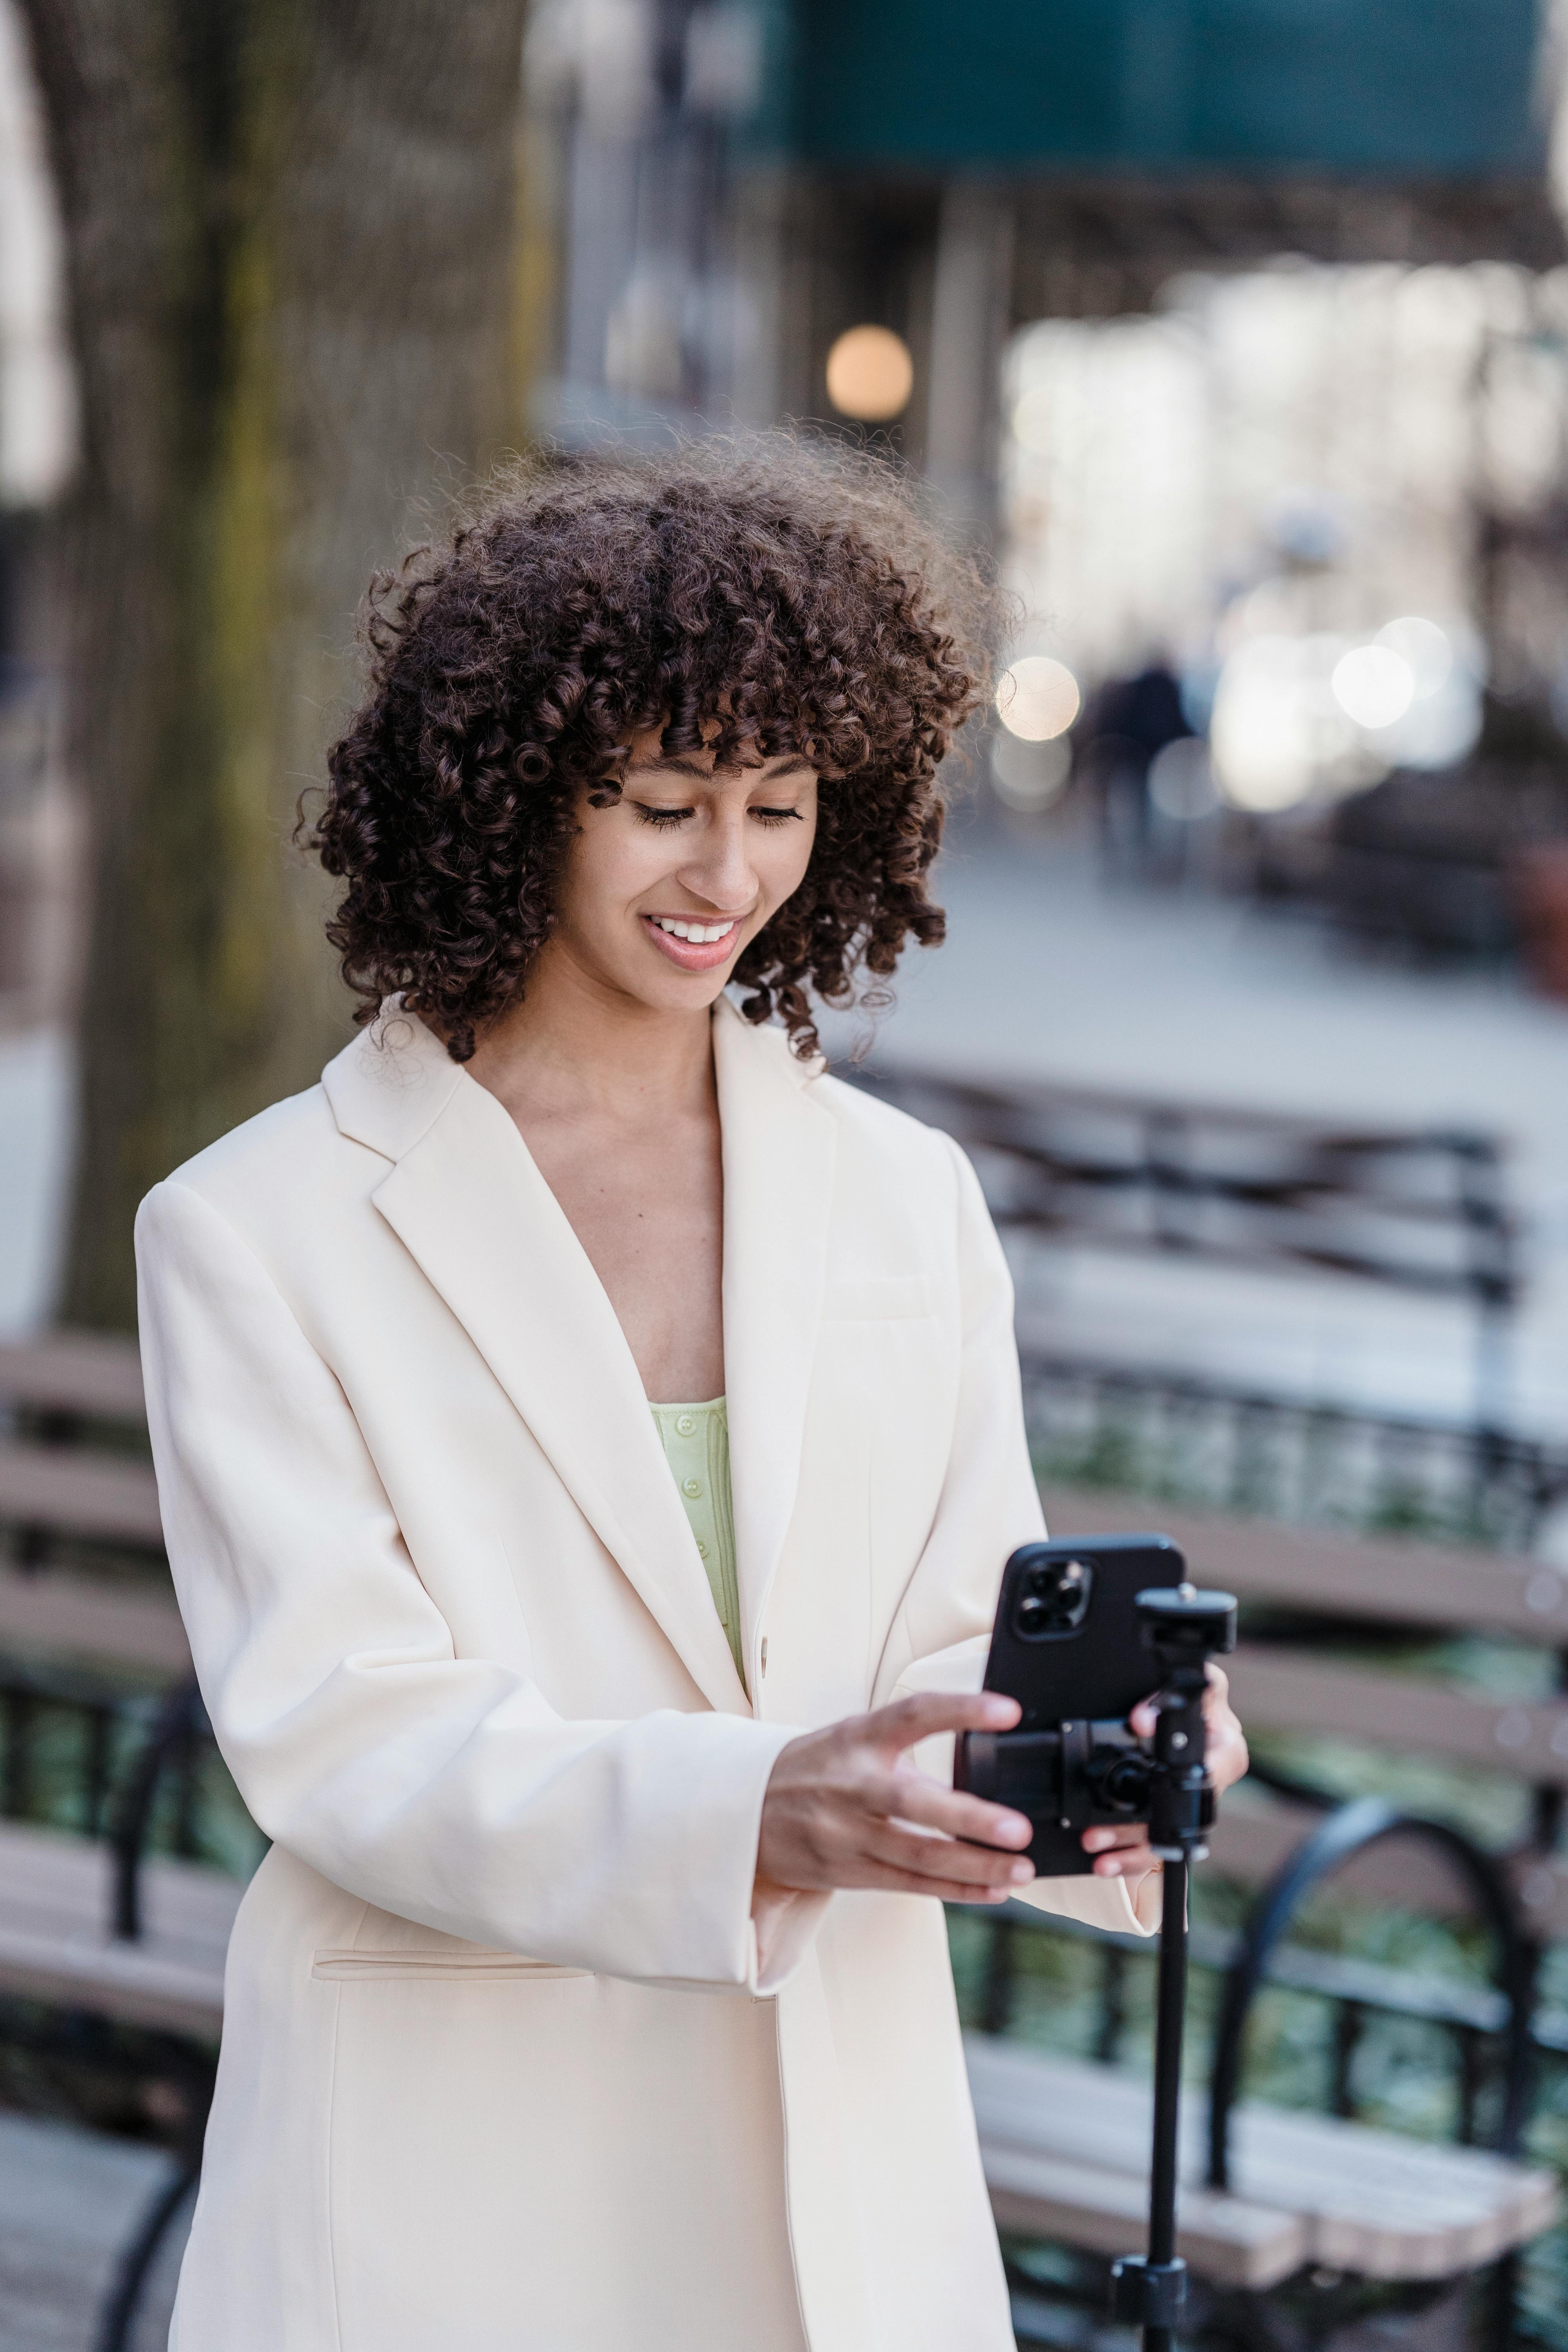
695 1440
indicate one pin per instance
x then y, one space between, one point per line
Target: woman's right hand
844 1807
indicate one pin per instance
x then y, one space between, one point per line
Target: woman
592 1994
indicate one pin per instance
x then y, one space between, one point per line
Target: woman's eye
777 815
662 817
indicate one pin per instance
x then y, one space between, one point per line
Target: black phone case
1098 1671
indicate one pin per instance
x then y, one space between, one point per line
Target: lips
693 955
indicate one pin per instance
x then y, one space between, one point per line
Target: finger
1128 1866
1107 1836
1144 1719
884 1880
910 1797
1229 1762
1218 1690
960 1865
910 1720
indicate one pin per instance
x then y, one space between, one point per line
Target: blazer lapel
779 1150
466 1201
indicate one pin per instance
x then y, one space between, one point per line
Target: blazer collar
779 1143
464 1196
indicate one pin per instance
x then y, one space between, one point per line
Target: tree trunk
293 240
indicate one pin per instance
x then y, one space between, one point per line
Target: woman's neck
573 1048
619 1107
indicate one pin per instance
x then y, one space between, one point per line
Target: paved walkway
70 2200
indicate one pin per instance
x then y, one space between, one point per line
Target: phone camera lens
1055 1600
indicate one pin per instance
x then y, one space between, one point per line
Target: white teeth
699 934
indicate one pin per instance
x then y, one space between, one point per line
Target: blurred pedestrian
1129 723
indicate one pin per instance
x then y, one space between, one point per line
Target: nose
721 872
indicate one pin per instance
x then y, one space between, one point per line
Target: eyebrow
770 771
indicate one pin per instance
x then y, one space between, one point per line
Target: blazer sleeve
442 1789
989 1506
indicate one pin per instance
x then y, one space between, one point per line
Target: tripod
1183 1628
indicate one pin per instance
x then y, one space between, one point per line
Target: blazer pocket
351 1967
887 1299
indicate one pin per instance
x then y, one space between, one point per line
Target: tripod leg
1171 2016
1149 2289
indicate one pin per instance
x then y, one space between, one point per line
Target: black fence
1186 1439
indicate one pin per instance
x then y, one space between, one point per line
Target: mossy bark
292 238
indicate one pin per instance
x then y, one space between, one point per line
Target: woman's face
663 889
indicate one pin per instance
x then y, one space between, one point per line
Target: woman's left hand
1121 1849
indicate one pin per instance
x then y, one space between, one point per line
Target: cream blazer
507 2066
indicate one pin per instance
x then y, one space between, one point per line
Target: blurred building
737 184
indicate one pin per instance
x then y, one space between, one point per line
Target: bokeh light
1181 780
1032 420
1373 685
870 374
1030 776
1424 647
1282 733
1038 698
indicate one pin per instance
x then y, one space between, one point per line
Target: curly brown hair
761 597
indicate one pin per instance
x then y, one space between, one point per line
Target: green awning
1406 89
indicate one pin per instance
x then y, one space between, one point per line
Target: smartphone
1068 1645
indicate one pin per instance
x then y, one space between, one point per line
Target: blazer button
701 1548
692 1486
684 1424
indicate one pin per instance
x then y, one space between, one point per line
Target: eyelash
664 818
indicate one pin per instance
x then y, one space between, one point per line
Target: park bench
1438 2211
73 1466
104 1933
1268 2192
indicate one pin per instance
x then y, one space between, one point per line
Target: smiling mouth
694 945
699 934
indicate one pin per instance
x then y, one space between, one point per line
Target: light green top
696 1441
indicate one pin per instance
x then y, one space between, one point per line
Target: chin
679 992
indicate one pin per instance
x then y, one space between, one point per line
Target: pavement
70 2203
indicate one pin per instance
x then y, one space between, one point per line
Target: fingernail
1021 1873
1112 1870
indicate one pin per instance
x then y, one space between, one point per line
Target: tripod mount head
1183 1629
1086 1770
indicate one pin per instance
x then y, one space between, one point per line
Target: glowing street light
870 374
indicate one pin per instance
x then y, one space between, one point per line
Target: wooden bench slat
1223 2237
1289 1690
87 1373
68 1493
54 1907
1441 1586
1361 2200
75 1616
